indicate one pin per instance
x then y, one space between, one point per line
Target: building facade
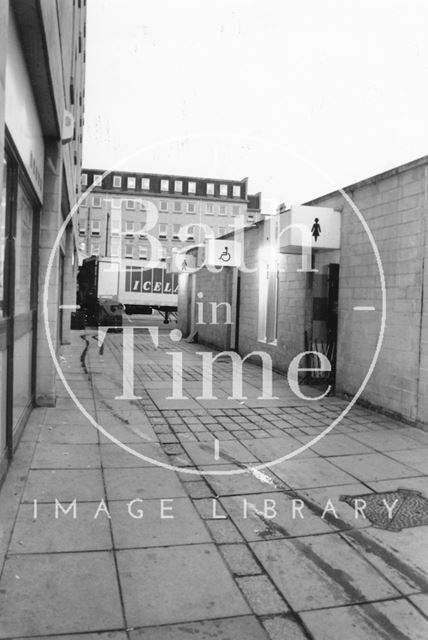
336 307
125 209
42 71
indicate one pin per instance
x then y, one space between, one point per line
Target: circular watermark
175 334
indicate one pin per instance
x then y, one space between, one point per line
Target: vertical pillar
69 284
50 222
4 14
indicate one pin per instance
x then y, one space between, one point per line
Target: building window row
177 206
165 185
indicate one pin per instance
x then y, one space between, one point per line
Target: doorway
19 229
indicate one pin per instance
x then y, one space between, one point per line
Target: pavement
218 546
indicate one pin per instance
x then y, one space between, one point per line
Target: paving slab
64 484
258 481
387 440
240 559
146 527
144 482
65 456
336 444
313 472
229 451
108 635
264 599
342 516
271 515
396 619
270 449
240 628
416 483
284 628
417 460
321 571
373 466
400 556
58 594
47 533
113 456
68 434
176 584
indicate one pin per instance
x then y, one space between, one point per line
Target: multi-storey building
124 209
42 72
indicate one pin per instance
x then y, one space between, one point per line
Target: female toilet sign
316 229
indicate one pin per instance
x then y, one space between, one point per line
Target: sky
300 96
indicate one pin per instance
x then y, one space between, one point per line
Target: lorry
108 288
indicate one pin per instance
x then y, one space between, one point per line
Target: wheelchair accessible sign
223 253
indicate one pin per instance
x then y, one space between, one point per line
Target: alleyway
227 560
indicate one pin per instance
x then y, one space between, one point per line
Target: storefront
21 201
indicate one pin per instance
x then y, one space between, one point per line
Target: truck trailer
109 287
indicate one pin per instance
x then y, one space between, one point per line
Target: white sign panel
318 227
108 278
21 114
223 253
182 262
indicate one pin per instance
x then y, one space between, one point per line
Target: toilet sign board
182 262
321 228
223 253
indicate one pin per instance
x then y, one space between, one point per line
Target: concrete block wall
394 207
291 305
214 288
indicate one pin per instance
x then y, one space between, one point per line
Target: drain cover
411 509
